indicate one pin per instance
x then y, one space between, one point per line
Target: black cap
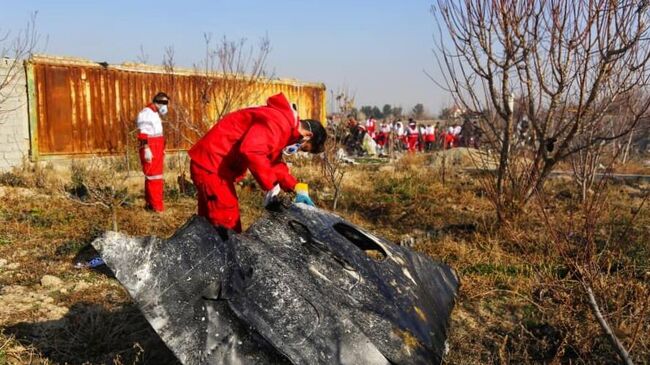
159 97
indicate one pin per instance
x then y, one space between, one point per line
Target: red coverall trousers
216 197
153 173
450 141
412 141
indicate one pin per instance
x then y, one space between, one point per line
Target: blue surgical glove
304 198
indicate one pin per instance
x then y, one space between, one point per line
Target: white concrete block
14 123
12 155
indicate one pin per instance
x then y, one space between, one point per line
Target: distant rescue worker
429 137
152 150
421 133
467 133
450 138
354 137
383 135
250 139
371 127
457 130
399 140
412 135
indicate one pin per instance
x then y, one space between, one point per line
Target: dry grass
517 304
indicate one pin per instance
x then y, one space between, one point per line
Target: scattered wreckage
300 286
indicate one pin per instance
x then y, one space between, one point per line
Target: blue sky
376 49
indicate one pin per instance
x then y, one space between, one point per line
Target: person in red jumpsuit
152 150
382 136
429 137
249 139
450 138
371 127
412 136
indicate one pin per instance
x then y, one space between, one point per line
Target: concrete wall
14 120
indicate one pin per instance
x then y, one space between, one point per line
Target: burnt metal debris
300 286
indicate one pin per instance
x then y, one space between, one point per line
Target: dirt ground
516 305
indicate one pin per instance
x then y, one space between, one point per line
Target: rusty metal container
80 107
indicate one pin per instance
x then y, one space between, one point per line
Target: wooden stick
620 349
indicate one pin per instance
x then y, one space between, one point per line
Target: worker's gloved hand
302 194
271 195
148 156
301 198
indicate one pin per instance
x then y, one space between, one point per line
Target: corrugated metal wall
79 107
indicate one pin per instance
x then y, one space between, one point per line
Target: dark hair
319 134
160 95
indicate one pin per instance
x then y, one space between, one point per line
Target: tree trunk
503 166
627 147
444 168
336 199
539 183
114 217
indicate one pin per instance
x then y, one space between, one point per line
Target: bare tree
181 121
576 243
561 64
585 165
14 49
334 164
232 75
345 102
334 168
241 68
95 182
143 57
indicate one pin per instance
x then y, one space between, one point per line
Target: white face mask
162 109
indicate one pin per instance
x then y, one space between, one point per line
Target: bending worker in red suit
152 150
249 139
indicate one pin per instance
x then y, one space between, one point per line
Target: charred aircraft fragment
300 286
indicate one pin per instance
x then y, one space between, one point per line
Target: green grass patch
5 241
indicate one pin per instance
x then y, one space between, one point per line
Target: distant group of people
373 137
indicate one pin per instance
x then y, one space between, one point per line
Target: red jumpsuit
450 140
412 138
430 136
382 136
150 127
248 139
371 126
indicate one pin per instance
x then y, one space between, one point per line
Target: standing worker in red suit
412 134
250 139
429 137
371 127
152 150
